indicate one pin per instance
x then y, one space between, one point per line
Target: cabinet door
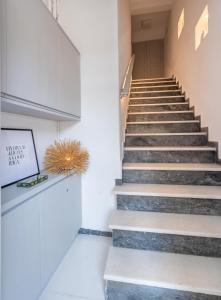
47 59
60 222
22 26
68 72
21 271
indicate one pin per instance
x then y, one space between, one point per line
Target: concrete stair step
152 100
137 274
165 116
184 199
170 154
156 107
169 139
163 126
152 79
156 93
168 232
153 83
172 173
155 87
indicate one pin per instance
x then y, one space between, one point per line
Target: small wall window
202 27
181 23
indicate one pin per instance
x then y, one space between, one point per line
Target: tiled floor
80 275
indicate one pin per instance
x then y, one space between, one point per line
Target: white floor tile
80 275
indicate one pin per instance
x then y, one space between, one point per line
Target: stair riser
160 88
172 177
163 128
155 94
126 291
154 84
135 80
193 206
182 244
161 117
156 108
169 156
168 140
157 100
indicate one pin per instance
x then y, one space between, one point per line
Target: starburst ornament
66 157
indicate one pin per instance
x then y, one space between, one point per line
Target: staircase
167 226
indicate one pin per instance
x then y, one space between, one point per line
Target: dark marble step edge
154 88
153 79
169 156
176 177
95 232
156 101
160 104
169 204
158 97
155 93
117 290
180 140
172 243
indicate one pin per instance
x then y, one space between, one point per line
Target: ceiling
150 26
139 7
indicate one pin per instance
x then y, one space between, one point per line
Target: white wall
93 27
197 70
45 132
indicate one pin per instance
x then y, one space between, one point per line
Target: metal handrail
127 79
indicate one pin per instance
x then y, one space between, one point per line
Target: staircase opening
148 33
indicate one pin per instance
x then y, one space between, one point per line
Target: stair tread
170 148
173 166
166 223
152 79
156 91
157 97
155 86
166 190
161 112
166 133
159 104
164 270
134 83
163 122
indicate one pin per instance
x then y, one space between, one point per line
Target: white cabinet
67 90
48 59
60 222
35 237
21 259
42 65
22 46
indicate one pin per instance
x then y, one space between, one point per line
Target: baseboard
118 182
95 232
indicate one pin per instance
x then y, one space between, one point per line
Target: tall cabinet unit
40 76
42 66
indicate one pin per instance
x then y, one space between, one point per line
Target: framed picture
18 158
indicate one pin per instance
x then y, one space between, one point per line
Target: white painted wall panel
197 70
93 27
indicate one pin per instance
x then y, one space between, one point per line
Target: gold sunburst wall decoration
66 157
